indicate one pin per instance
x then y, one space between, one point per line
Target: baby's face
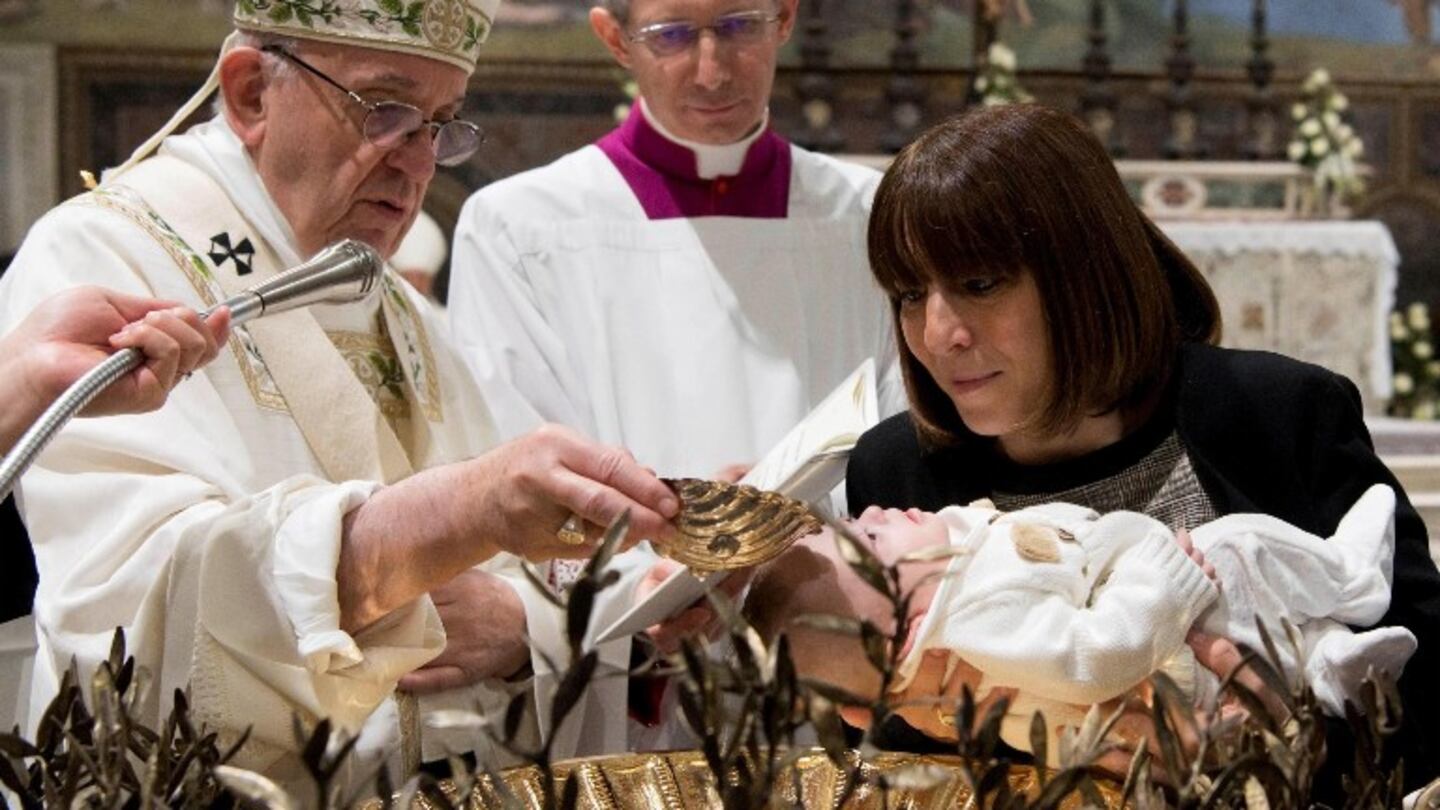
812 577
894 533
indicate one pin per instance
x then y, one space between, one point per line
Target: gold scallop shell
727 526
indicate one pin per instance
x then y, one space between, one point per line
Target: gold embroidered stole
342 424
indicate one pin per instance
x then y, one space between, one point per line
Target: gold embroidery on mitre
448 30
1036 543
444 23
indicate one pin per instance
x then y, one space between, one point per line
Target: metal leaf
932 554
572 686
1039 743
989 736
253 787
313 752
336 756
10 778
409 792
541 588
861 560
1061 785
1271 676
435 794
600 560
828 623
1255 798
514 713
455 720
492 791
992 779
577 611
570 799
877 646
14 745
829 728
1259 711
1171 755
234 749
1093 798
1136 774
461 778
117 650
965 717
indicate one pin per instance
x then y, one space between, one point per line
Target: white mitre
446 30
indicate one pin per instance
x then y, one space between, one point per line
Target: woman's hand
70 333
1136 726
698 619
928 703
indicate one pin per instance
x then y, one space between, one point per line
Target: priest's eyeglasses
671 38
388 124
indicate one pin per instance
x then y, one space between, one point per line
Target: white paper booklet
806 465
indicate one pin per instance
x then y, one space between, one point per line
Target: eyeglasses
388 124
671 38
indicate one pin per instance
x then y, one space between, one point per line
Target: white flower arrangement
1323 142
622 110
997 83
1417 372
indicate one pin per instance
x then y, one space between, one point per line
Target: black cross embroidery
221 252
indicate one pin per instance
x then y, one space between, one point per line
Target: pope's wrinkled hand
528 488
412 537
484 634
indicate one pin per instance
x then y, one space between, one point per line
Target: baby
1072 608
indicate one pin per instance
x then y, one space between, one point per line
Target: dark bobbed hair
998 191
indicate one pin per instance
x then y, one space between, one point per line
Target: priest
268 538
690 285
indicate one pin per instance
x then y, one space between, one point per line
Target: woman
1058 347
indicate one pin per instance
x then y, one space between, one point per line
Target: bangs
997 191
925 228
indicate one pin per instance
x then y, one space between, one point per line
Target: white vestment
695 343
1073 608
208 530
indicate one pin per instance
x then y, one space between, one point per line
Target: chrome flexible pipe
343 273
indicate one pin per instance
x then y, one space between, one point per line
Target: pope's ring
572 531
945 718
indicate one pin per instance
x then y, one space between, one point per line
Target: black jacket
1266 434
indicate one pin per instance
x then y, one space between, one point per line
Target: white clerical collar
712 160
